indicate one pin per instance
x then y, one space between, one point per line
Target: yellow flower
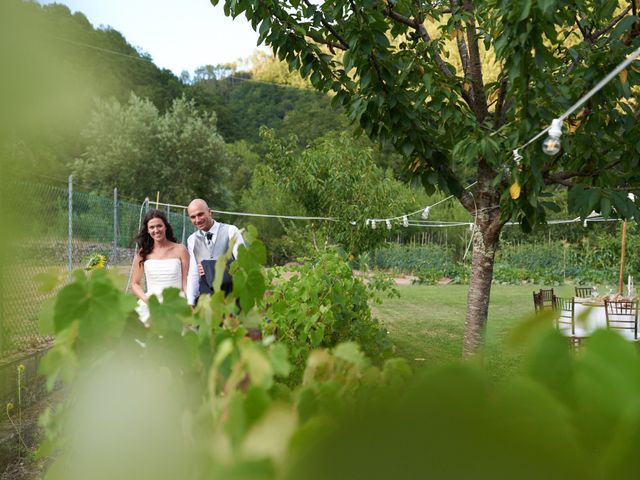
514 191
96 261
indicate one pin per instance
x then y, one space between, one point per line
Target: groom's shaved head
198 202
200 214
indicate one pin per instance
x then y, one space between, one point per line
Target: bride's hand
200 270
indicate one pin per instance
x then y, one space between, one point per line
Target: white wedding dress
159 274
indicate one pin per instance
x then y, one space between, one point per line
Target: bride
163 261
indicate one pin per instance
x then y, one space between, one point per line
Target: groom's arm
192 278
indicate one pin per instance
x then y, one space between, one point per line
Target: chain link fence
62 228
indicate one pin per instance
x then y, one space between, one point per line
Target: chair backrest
566 319
583 292
622 315
547 298
537 301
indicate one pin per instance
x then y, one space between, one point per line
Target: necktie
209 236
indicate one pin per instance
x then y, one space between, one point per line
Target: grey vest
202 251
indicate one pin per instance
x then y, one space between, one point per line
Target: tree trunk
485 245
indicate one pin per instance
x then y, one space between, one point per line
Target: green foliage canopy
141 151
336 177
387 63
173 402
394 78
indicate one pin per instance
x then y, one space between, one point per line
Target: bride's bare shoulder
179 248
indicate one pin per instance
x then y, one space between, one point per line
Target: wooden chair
583 292
537 302
566 319
622 316
548 297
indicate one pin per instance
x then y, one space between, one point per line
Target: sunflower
96 261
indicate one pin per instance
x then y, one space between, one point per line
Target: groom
205 246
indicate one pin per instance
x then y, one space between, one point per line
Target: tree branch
425 37
586 34
502 94
475 67
398 17
332 45
329 27
612 23
462 46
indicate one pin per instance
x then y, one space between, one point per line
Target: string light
388 222
551 145
405 221
373 224
517 158
555 129
425 212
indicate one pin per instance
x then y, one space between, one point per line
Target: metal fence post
184 226
115 224
70 240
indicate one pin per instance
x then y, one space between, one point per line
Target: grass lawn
427 323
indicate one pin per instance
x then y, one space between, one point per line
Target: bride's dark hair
144 240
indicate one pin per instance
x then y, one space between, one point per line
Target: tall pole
70 239
622 248
115 223
184 226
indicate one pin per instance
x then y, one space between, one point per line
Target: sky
178 34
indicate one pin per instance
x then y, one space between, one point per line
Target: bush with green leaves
411 259
454 273
594 258
323 304
192 397
334 177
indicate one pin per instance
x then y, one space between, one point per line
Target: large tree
417 74
141 151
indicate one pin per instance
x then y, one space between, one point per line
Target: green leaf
525 9
546 6
71 304
46 316
605 207
351 353
279 357
49 280
257 402
317 335
407 148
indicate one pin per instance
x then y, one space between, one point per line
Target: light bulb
552 144
517 158
425 213
388 224
405 221
373 224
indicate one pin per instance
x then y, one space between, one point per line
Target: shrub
412 259
323 304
